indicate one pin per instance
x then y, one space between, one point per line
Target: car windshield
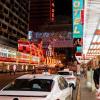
30 85
64 73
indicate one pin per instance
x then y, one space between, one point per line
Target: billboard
77 24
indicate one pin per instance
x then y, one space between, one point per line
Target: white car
37 87
69 76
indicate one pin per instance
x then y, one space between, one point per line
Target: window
6 35
19 84
41 85
7 19
64 73
62 83
1 7
6 11
30 85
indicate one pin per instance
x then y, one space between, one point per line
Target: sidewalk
86 93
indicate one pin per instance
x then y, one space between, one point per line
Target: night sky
63 7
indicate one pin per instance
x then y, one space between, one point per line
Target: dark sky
63 7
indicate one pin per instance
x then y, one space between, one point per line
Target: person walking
34 70
14 69
96 77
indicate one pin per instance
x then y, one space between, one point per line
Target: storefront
7 57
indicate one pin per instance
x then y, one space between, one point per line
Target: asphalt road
6 78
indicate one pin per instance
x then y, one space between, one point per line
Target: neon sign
77 25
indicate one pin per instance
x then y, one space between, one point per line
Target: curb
78 91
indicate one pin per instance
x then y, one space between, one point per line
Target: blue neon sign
77 25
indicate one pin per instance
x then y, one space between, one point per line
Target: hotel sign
77 25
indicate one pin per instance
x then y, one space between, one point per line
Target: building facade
50 19
39 13
14 18
45 15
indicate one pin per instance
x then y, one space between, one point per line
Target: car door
65 90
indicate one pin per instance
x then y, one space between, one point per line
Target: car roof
37 76
63 71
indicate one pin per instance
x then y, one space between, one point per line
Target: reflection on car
69 76
38 87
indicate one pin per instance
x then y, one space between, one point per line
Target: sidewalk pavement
86 93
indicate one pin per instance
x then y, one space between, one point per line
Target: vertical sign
30 35
77 25
82 16
52 10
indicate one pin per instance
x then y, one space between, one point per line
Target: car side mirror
70 85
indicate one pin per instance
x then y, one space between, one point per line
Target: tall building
50 15
39 13
52 20
13 21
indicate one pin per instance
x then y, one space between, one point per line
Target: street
7 78
84 92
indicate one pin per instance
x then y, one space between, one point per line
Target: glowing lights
95 38
91 40
52 17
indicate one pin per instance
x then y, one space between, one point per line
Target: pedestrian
34 70
14 69
46 69
26 68
81 70
96 76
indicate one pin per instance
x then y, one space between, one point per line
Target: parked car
69 76
37 87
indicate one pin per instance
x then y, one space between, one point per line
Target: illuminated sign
77 25
30 35
7 53
52 10
79 49
35 59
